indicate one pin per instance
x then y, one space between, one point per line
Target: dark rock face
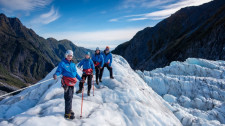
26 57
197 32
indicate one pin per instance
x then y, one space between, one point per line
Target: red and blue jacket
87 64
67 69
98 59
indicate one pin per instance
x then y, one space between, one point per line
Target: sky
92 23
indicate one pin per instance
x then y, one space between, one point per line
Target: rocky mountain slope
26 57
197 31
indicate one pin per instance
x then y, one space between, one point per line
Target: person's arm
80 64
59 69
110 63
102 59
92 65
78 77
92 58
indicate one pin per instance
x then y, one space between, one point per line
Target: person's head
107 49
97 50
87 55
69 55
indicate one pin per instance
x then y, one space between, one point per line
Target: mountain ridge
179 37
28 56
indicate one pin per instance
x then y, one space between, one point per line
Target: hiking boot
69 116
100 80
79 91
112 77
88 93
97 82
72 113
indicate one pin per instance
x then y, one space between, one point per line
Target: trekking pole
82 98
93 85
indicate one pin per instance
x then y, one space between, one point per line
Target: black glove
82 81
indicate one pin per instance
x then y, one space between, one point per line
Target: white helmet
69 52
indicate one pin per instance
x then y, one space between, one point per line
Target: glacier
195 90
126 100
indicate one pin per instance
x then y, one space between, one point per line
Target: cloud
127 4
96 38
46 18
187 3
103 12
137 19
157 15
113 20
166 11
23 5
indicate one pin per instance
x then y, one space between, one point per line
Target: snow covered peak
124 101
195 89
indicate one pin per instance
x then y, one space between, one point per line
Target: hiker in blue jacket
98 60
107 55
88 68
68 69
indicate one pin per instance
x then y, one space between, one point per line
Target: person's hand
55 77
82 81
100 67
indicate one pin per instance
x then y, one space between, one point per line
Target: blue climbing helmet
87 53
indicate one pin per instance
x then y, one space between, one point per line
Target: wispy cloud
47 18
23 5
137 19
166 10
143 3
97 38
113 20
103 12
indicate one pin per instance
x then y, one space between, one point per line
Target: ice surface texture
124 101
195 89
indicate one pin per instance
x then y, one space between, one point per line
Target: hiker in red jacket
88 69
98 60
68 69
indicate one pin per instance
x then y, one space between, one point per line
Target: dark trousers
109 68
89 81
97 70
68 96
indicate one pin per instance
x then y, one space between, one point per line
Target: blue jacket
67 69
87 64
98 58
107 57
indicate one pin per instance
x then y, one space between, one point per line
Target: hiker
88 68
107 55
67 68
98 60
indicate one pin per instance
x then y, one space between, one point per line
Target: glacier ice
124 101
195 89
